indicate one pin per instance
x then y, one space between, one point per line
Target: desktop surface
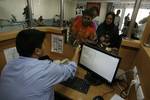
92 92
76 95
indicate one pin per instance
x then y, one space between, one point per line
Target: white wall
103 10
46 8
49 8
8 7
70 8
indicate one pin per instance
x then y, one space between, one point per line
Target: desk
128 52
142 61
92 92
8 40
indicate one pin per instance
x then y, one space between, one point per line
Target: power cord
118 84
126 89
125 93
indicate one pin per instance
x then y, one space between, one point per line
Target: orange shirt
83 32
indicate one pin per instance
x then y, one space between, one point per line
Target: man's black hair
93 9
27 40
87 12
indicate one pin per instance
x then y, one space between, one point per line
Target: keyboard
78 84
59 96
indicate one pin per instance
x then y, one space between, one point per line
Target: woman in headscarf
108 33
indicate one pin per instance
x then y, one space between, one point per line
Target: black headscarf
111 30
112 25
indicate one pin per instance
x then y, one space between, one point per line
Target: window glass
11 17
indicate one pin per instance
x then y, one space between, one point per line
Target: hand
76 54
78 49
76 43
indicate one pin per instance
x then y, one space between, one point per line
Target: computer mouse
98 98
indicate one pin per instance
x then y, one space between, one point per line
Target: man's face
43 49
109 19
87 20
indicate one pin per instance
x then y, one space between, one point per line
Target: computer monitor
101 62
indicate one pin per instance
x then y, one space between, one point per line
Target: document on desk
57 42
116 97
10 54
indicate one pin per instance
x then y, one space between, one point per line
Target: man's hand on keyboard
64 61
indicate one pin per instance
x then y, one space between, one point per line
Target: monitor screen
100 62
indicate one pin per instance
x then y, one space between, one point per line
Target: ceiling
121 3
116 1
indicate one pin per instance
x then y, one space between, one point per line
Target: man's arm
75 58
56 73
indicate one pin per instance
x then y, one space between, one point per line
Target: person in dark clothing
26 15
126 19
108 33
134 32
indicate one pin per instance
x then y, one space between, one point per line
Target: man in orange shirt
83 29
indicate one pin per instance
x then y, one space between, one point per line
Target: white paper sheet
57 42
10 54
116 97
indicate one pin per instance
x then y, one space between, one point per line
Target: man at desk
27 77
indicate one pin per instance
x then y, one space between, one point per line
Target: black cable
123 91
123 94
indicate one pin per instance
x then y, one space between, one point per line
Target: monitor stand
94 79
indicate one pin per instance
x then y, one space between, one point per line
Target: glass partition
15 14
44 12
140 21
47 12
11 17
